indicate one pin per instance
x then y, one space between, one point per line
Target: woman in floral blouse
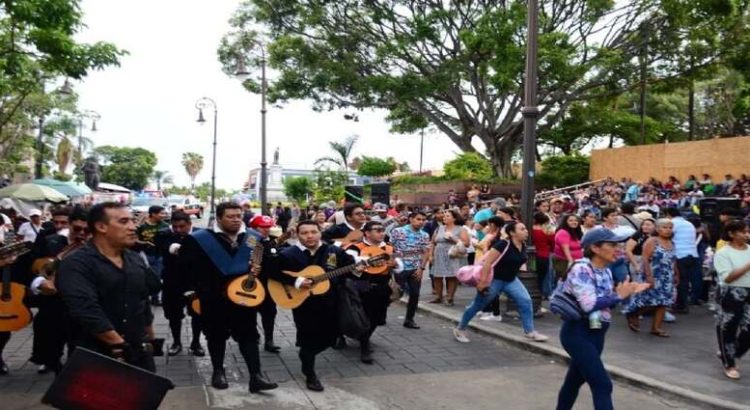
590 282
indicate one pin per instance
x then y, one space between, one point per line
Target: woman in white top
732 263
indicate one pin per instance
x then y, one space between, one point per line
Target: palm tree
193 163
162 177
64 154
342 152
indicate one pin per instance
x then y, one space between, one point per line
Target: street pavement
685 361
414 369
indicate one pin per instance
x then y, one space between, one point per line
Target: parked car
188 205
140 206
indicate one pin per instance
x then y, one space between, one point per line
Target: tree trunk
500 157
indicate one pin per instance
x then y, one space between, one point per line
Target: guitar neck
334 273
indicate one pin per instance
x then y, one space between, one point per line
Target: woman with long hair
732 263
590 282
493 234
567 244
444 263
510 255
634 245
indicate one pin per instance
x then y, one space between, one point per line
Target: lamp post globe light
242 73
201 104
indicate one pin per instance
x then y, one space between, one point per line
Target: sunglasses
377 230
79 229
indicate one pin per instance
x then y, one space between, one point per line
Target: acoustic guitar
382 269
195 305
289 297
350 239
14 315
47 267
246 290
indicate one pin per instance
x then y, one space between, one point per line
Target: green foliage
342 152
329 185
202 191
298 188
376 167
468 166
564 170
129 167
193 163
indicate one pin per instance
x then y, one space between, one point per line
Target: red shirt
543 242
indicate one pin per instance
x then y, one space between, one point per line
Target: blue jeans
515 290
691 275
585 347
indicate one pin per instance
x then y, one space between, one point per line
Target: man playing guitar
175 283
315 319
344 234
51 331
373 284
260 227
212 258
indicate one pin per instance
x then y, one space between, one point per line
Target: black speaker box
381 192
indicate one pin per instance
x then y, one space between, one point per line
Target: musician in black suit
355 219
212 259
260 227
4 336
51 331
175 283
315 319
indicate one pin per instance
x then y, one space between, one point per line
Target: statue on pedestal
276 156
91 173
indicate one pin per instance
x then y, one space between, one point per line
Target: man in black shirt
355 219
105 286
316 319
168 243
213 258
147 232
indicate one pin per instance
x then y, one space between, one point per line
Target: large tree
37 47
129 167
458 64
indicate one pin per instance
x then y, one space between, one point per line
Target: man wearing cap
260 229
28 231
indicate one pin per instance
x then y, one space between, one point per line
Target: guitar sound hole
248 285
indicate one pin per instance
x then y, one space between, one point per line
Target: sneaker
460 335
536 336
669 318
491 317
480 315
732 373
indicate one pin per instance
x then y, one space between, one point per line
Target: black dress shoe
314 384
197 350
219 380
366 356
409 324
3 368
340 343
271 348
174 350
257 383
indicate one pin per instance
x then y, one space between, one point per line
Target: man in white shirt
29 230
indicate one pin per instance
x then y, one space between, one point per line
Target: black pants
4 338
174 304
411 285
51 332
267 311
223 319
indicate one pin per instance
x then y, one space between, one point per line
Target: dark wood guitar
14 315
246 290
47 267
290 297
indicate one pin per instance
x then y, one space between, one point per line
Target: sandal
633 323
659 333
436 301
732 373
449 302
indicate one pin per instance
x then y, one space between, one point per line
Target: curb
616 372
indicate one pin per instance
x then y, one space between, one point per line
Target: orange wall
715 157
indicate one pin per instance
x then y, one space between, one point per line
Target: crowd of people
638 245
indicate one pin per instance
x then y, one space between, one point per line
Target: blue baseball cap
601 234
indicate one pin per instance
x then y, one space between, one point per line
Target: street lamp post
243 73
208 103
81 116
65 90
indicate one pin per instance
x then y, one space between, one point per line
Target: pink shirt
562 237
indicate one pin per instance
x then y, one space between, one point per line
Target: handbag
471 274
458 250
566 305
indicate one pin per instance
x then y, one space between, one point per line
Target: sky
149 101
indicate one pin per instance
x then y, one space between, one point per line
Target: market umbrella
32 192
68 188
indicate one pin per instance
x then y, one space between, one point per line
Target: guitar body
195 306
246 292
39 266
371 251
14 315
289 297
350 239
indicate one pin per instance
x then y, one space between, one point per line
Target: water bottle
595 320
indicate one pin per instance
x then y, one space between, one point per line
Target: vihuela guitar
47 267
388 253
14 315
246 290
289 297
